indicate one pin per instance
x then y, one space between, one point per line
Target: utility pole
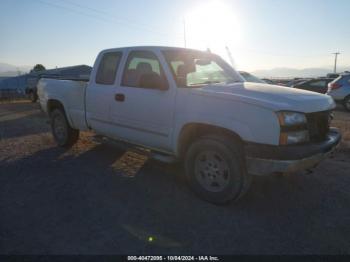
335 62
230 56
185 40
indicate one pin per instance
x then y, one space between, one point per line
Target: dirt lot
96 199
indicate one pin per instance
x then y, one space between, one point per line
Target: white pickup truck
191 106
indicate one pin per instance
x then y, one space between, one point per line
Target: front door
144 102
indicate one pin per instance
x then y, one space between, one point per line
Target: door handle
119 97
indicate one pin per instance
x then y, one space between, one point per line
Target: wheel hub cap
211 171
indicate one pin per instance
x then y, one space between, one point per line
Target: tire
215 169
346 103
63 133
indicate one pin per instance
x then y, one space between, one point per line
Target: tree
38 68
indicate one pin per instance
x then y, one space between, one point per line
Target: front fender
236 127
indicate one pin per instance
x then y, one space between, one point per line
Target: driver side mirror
203 62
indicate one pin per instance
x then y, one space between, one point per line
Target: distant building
3 77
21 84
13 86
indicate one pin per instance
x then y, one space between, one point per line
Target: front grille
318 125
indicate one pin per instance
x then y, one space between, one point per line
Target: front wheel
64 134
347 103
215 169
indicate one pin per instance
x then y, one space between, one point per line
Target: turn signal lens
297 137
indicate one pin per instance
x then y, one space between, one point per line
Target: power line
74 11
119 18
109 19
229 54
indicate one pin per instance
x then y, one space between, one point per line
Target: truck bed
69 92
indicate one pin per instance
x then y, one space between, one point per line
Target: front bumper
264 160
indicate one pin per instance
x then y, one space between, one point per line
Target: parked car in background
319 85
269 81
339 89
333 75
297 81
251 78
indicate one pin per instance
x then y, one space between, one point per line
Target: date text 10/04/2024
173 258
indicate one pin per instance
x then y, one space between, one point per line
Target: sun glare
213 25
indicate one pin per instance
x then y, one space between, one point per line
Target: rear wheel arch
53 104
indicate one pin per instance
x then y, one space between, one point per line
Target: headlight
293 128
291 118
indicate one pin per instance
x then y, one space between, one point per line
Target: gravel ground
96 199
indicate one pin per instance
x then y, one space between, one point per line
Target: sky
261 34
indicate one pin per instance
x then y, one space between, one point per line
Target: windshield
251 78
195 68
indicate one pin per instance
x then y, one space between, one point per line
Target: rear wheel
215 169
64 134
347 103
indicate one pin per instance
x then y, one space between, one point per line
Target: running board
162 157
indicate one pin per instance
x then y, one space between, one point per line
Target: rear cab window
108 67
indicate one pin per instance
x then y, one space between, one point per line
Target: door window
144 70
107 70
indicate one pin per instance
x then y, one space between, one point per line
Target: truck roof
152 48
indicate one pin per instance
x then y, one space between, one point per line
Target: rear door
100 92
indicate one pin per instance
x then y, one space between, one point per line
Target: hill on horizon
292 72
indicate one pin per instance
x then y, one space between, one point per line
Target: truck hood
273 97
